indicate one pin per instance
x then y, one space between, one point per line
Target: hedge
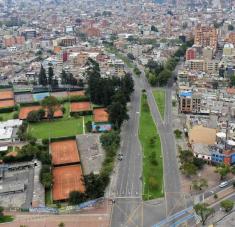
36 103
8 109
63 138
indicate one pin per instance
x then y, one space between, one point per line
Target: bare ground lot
91 153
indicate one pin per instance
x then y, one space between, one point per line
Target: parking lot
91 153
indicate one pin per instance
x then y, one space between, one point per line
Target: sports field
24 111
7 103
58 128
65 180
100 115
80 106
6 94
64 152
76 93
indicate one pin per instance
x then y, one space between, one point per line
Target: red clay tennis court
100 115
7 94
76 93
24 111
80 106
7 103
64 152
65 180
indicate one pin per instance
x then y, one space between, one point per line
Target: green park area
63 127
159 96
8 116
152 156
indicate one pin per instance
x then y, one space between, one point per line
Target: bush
16 115
153 184
178 134
76 197
89 126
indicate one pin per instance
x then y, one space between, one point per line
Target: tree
199 184
227 205
230 27
61 224
76 197
188 169
130 56
117 114
1 211
203 211
51 104
154 29
42 77
50 75
222 170
89 126
94 186
36 115
232 81
45 176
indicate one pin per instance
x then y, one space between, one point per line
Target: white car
223 184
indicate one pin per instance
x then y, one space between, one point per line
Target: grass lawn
57 128
152 158
6 218
159 96
66 126
7 116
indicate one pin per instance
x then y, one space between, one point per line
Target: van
223 184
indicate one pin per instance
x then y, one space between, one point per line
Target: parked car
223 184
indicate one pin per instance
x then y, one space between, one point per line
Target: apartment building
206 36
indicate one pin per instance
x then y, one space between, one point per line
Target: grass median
159 96
152 156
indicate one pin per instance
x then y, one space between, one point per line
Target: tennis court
64 152
80 106
77 93
7 103
67 179
59 94
100 115
6 94
24 98
40 96
24 111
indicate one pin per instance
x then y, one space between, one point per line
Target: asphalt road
128 191
173 196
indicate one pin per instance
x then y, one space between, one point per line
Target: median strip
152 175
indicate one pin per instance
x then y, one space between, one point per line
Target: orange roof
7 94
100 115
65 180
24 111
7 103
80 106
230 91
64 152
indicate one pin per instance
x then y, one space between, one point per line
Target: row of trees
189 164
48 78
159 74
113 93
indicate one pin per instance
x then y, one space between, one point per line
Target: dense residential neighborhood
117 113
